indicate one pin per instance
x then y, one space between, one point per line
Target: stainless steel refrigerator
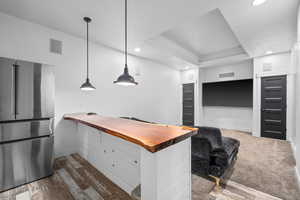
26 122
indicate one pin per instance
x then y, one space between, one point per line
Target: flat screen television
237 93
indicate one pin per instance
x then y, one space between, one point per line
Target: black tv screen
228 93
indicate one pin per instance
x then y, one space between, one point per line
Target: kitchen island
132 153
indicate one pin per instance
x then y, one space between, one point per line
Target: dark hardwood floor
74 179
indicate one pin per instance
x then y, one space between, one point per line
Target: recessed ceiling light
258 2
137 49
186 67
269 52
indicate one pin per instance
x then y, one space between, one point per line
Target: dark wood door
273 107
188 104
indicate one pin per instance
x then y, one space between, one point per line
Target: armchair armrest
201 148
213 135
200 156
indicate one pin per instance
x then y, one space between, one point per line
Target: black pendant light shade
125 79
87 86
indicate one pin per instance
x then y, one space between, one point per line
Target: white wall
237 118
297 69
156 98
280 65
228 117
296 138
242 70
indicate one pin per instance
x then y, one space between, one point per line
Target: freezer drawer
13 161
26 129
25 161
41 158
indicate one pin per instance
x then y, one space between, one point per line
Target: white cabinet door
129 149
83 140
93 143
104 162
94 137
117 159
127 171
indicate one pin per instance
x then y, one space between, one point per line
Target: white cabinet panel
122 145
94 137
128 172
169 169
133 161
123 164
92 156
128 165
117 159
104 163
83 140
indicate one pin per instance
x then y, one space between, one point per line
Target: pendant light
86 86
125 79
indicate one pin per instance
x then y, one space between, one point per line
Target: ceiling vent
55 46
226 75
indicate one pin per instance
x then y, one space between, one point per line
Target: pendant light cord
87 49
126 34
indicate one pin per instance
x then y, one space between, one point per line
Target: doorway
273 107
188 101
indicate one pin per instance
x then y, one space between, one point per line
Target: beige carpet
265 168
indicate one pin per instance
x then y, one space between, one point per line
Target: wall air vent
226 75
267 67
55 46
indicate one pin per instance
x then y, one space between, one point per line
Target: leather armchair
212 154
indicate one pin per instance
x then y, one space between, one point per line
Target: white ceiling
174 32
205 35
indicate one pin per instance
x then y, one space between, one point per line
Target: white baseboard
298 175
297 164
293 148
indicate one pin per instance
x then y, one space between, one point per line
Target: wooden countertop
153 137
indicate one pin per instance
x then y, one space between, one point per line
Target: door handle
51 120
16 66
271 110
13 92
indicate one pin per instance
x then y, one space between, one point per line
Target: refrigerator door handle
51 120
16 66
13 90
